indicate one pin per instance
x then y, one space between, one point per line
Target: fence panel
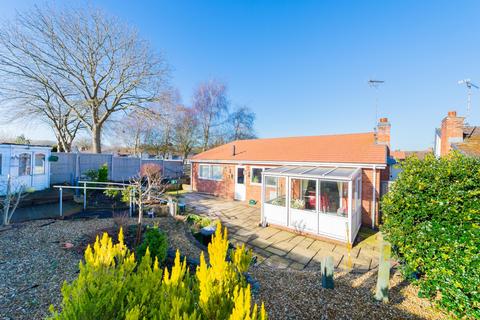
125 168
66 169
63 170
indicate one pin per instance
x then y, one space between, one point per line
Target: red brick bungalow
325 186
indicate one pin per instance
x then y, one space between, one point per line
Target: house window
304 194
24 164
334 197
275 191
210 172
256 175
39 164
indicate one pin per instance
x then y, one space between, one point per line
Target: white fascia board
299 163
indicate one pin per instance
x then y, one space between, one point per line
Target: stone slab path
280 248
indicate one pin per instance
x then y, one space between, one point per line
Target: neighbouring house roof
342 148
469 146
400 155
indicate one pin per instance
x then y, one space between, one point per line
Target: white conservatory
322 201
27 165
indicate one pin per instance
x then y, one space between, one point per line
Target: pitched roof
469 146
342 148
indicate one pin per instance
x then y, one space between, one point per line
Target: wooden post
130 211
327 272
383 280
61 202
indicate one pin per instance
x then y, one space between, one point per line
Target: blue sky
303 66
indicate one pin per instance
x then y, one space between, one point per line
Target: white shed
26 164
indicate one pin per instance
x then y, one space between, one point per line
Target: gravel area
33 266
33 263
291 294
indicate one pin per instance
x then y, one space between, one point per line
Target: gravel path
291 294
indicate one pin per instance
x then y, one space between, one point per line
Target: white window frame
251 175
28 165
35 164
210 171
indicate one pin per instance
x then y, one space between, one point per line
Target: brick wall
451 131
223 188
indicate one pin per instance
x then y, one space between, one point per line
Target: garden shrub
432 219
103 173
156 241
112 285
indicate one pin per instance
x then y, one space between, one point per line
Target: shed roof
341 148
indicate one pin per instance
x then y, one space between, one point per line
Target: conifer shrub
432 219
103 173
113 285
156 242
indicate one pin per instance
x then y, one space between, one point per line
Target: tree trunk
96 139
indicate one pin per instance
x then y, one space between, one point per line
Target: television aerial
469 84
372 83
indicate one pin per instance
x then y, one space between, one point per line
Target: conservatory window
304 194
210 172
1 163
275 188
24 164
39 164
334 197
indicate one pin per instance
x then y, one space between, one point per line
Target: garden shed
27 165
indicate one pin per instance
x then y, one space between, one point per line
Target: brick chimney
382 135
451 131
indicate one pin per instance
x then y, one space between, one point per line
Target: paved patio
280 248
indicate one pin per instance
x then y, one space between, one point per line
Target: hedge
432 219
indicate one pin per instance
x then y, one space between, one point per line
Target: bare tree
241 123
211 105
186 131
147 186
29 100
134 128
95 65
13 195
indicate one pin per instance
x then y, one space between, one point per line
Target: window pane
303 194
39 164
24 164
257 175
271 181
334 197
204 171
275 191
240 175
217 172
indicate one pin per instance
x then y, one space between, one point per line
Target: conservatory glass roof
313 172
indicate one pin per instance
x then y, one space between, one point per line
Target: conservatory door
240 189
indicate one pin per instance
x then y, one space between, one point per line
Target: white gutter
297 163
374 196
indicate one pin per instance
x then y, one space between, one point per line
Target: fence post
383 280
61 202
130 212
327 272
84 196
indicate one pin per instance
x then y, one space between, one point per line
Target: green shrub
156 241
92 174
103 173
111 285
198 221
432 219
